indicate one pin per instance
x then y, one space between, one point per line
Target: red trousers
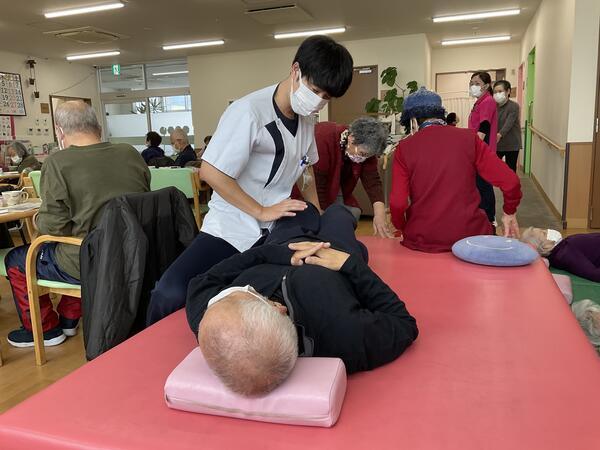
68 307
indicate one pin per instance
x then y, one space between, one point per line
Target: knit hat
421 105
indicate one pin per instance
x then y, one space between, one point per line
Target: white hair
179 134
253 354
588 315
543 246
77 117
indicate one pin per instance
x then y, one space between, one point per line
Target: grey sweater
509 127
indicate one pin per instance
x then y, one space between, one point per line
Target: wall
217 78
584 66
552 93
53 77
468 58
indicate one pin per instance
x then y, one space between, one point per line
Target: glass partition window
126 124
131 78
165 75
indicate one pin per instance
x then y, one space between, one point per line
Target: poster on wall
11 95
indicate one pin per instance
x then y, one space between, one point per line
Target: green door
530 88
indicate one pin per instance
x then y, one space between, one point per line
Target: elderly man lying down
307 291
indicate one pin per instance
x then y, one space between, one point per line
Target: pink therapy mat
500 363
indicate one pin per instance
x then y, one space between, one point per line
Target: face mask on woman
16 159
356 158
500 97
304 101
475 91
553 235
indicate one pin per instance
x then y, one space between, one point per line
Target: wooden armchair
36 288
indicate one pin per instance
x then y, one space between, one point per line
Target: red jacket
334 170
436 169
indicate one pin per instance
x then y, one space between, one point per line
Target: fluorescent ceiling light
93 55
479 15
475 40
177 72
309 33
84 10
193 44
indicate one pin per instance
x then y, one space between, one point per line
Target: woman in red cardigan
435 168
347 154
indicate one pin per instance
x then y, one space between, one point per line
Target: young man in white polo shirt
263 145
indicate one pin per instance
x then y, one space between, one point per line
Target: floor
20 377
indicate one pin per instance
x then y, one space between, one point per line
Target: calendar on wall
11 95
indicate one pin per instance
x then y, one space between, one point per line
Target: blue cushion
494 251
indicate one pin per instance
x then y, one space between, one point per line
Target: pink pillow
312 395
565 286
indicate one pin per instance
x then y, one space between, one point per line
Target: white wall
217 78
480 57
551 33
584 66
55 77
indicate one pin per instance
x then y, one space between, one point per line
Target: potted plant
393 101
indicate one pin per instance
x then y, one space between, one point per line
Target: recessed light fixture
93 55
84 10
475 40
309 33
177 72
478 15
193 44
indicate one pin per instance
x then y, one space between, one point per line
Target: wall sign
11 95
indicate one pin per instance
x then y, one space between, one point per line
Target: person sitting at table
348 154
578 254
307 291
434 200
153 150
20 157
75 184
181 145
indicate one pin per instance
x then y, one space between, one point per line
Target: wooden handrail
549 141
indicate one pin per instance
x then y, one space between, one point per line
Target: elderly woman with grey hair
20 157
348 154
578 254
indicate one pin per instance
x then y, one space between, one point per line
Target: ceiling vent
86 35
278 15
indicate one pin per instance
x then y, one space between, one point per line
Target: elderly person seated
434 200
20 157
307 291
181 146
348 154
75 185
152 150
578 254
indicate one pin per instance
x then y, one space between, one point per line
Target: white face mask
553 235
500 97
304 101
475 91
224 293
16 159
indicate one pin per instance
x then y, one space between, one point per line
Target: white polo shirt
253 146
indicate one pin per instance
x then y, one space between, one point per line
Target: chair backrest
181 178
35 177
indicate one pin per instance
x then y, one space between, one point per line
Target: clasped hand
318 254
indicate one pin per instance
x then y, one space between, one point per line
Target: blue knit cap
421 105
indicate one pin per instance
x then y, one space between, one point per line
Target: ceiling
148 24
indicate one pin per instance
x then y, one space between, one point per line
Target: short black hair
451 118
485 77
504 83
207 139
326 64
154 138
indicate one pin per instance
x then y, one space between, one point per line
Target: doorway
594 220
529 102
365 83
